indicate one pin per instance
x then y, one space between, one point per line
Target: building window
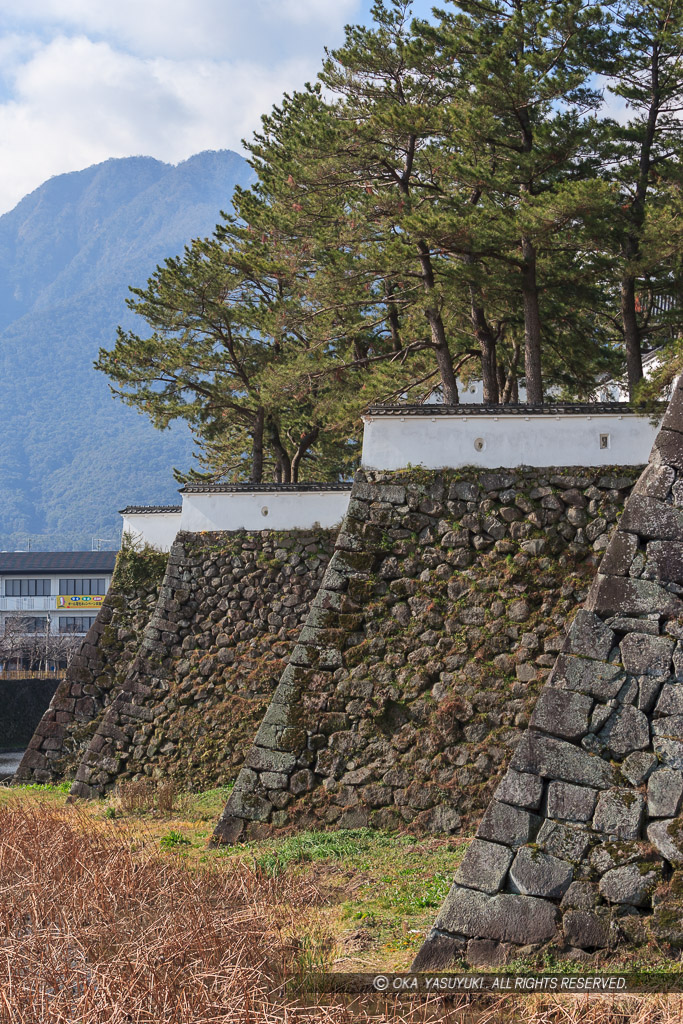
28 588
26 624
76 588
75 623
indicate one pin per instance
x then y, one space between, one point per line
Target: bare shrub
167 797
135 796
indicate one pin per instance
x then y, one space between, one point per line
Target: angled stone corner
582 844
227 611
92 680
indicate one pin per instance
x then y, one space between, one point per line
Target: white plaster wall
438 442
155 528
265 510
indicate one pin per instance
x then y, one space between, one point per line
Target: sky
85 80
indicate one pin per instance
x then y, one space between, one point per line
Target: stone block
301 782
520 789
438 953
664 561
249 806
505 917
567 842
593 678
615 595
264 760
136 711
487 953
644 655
619 554
571 803
509 825
585 930
540 874
664 793
633 884
589 636
670 700
651 518
673 417
670 727
558 759
463 490
581 896
669 751
619 813
638 766
274 780
655 481
624 624
484 866
562 713
496 481
667 838
626 730
648 691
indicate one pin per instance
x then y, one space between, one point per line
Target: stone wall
97 671
582 845
228 613
437 622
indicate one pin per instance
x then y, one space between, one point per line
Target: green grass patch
172 840
344 844
43 787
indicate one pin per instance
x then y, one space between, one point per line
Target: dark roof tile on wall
261 488
15 562
131 510
470 409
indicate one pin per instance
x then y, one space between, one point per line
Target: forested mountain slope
70 455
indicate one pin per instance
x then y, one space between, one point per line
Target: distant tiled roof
472 409
141 510
12 562
261 488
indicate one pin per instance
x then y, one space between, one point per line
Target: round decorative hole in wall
264 510
479 444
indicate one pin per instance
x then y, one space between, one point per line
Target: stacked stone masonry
227 615
582 844
97 671
438 620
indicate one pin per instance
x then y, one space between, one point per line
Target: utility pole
48 622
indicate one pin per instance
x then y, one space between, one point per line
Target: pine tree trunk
634 358
500 375
532 325
257 448
394 321
282 459
487 344
306 441
632 338
444 360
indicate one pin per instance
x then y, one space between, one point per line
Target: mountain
70 454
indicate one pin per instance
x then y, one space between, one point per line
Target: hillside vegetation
70 455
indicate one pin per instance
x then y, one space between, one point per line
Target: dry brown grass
97 928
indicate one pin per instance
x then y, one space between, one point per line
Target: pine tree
645 154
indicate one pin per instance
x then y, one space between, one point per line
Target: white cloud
219 29
85 80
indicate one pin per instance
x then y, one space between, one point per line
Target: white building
263 506
59 590
155 525
492 437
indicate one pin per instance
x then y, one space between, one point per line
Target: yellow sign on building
78 601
